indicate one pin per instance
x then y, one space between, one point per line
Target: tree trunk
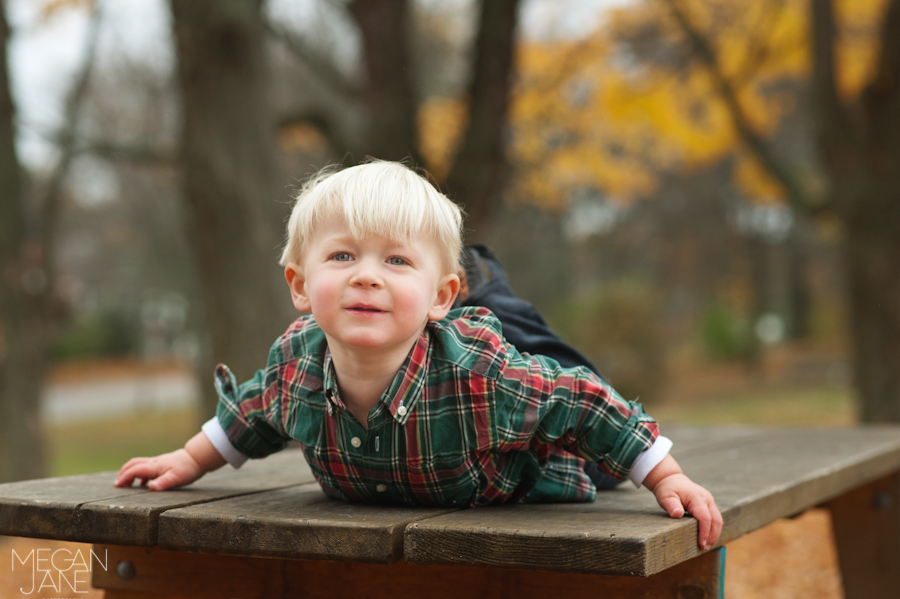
873 272
479 170
23 338
799 300
236 199
860 148
388 93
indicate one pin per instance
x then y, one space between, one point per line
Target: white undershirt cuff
216 435
648 460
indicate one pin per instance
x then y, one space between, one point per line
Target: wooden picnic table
268 531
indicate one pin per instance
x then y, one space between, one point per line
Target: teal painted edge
721 551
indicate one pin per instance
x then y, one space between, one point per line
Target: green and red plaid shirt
468 420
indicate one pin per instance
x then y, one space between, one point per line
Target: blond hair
379 198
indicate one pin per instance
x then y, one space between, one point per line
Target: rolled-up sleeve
216 435
537 401
251 414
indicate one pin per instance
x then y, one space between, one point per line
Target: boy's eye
341 257
397 261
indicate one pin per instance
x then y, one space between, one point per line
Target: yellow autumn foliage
440 123
591 114
49 8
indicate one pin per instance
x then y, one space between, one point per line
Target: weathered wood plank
761 478
295 522
88 508
176 574
693 440
866 525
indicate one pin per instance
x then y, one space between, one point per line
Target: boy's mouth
364 309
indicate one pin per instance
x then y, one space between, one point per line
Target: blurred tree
858 139
231 179
30 306
387 93
708 80
20 425
475 172
479 170
854 84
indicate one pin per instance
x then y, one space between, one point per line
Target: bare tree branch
321 65
758 50
67 138
143 155
752 140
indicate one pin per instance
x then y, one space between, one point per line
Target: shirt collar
332 393
402 395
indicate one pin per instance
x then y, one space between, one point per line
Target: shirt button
402 410
355 442
381 488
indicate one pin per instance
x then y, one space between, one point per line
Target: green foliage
616 326
101 333
725 335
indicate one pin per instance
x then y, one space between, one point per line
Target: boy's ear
293 274
448 289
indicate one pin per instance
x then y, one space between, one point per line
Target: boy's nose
366 275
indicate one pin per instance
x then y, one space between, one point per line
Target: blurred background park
701 195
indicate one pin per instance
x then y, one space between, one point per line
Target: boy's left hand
676 493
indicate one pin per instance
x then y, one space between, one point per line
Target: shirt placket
360 443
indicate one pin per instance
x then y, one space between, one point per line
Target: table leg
114 594
866 524
152 573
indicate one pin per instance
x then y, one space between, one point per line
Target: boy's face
371 293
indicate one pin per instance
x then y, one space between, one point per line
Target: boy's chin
376 343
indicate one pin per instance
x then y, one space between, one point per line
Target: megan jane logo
60 570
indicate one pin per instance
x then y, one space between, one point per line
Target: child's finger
144 470
124 478
717 524
672 505
700 511
122 474
165 481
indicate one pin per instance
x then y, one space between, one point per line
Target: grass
107 444
797 406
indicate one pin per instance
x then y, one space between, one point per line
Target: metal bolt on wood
125 570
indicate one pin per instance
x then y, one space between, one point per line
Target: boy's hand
164 471
175 469
676 493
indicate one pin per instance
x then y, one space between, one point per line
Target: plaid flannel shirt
468 420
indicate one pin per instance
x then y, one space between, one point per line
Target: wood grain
176 574
294 522
756 480
866 525
88 508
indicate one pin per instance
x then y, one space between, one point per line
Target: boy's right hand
163 471
175 469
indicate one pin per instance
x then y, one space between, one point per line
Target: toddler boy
394 398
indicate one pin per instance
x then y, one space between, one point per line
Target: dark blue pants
523 326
